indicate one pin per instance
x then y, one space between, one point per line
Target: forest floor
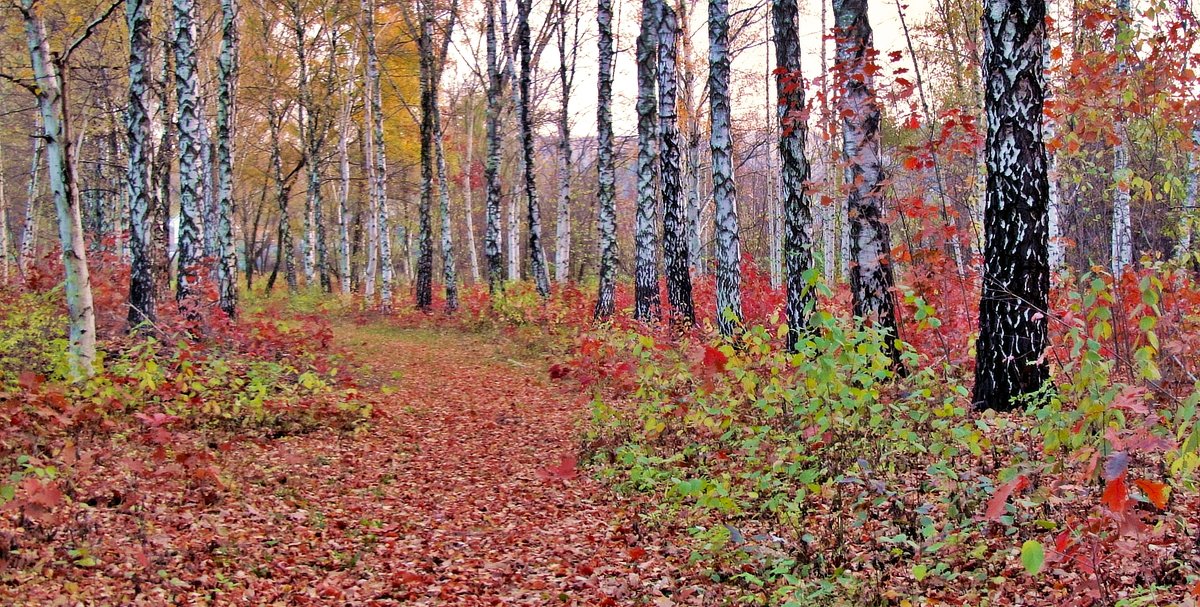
462 491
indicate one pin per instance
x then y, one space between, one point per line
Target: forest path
463 492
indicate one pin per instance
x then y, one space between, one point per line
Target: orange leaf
911 163
1155 491
1116 495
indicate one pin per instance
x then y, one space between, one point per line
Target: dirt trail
459 494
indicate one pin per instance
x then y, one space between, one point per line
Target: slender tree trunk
51 95
537 265
379 178
29 232
1122 232
729 272
566 74
449 265
774 219
514 226
605 188
191 237
492 168
691 137
675 237
165 242
830 245
793 134
142 286
871 279
1016 275
468 200
208 206
372 265
1056 247
425 209
227 72
1187 219
5 255
646 296
285 252
316 257
343 216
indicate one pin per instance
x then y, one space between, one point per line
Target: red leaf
564 471
911 163
715 359
995 507
1155 491
157 419
29 381
1116 495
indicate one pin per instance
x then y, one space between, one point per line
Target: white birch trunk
52 105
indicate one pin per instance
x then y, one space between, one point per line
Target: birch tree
793 134
227 67
1187 219
344 214
191 237
5 255
1016 276
605 188
646 297
675 236
449 273
425 206
567 49
142 286
378 165
468 189
541 276
52 95
871 279
728 254
492 167
1122 232
691 137
29 231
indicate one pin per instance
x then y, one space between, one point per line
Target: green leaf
1033 556
920 571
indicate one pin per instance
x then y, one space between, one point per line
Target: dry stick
937 171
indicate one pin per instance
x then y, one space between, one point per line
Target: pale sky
750 66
